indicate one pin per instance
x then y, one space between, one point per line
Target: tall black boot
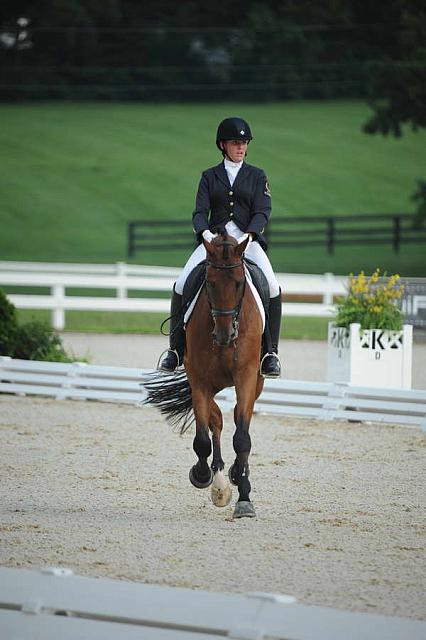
271 366
175 353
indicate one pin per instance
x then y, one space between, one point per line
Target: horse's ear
242 246
209 247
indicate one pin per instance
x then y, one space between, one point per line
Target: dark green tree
398 85
398 82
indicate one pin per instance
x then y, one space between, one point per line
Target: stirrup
272 374
160 360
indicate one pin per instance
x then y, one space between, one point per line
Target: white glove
208 235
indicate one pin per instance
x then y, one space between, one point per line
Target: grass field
72 175
149 323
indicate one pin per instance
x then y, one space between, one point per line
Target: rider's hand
208 235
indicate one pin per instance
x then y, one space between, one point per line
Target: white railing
318 400
53 603
123 278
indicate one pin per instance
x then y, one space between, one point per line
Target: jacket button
231 214
231 193
231 204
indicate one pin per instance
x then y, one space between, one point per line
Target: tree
398 86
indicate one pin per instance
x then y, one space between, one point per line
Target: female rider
234 195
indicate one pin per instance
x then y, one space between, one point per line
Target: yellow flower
372 301
375 276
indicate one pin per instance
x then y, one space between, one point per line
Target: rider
234 195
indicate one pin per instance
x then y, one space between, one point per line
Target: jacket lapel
220 172
242 174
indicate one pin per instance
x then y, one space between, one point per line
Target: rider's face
235 149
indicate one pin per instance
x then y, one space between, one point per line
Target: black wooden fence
322 231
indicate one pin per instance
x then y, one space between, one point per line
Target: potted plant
368 344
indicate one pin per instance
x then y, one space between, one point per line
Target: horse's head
225 281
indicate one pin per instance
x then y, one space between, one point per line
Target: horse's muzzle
220 342
224 337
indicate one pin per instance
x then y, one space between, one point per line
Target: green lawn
72 175
149 323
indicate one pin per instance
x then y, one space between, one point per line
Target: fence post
331 231
121 273
396 233
58 313
327 297
130 239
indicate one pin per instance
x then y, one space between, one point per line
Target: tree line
162 50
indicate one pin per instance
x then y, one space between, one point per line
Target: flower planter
371 357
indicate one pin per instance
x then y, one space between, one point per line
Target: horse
223 348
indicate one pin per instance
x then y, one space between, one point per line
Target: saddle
197 276
195 281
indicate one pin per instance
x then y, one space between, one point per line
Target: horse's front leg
200 475
221 492
239 472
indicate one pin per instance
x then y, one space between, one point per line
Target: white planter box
370 358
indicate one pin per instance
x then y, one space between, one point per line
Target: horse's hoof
196 482
221 495
231 476
244 509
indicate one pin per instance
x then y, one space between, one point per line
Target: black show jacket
247 202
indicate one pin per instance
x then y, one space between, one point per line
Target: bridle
235 311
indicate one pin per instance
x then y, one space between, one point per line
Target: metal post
130 239
331 231
396 233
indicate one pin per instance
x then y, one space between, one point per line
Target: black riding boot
175 353
270 366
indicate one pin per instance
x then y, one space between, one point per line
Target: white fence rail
123 278
319 400
53 603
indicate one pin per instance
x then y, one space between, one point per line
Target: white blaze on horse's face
225 280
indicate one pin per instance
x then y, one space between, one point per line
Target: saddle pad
256 296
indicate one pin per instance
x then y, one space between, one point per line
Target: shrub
8 325
32 340
35 340
371 302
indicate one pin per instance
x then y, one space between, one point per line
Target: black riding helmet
233 129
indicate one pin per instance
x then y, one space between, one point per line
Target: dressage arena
103 489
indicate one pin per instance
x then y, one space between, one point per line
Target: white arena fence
317 400
53 603
122 278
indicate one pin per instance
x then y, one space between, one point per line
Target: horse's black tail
171 394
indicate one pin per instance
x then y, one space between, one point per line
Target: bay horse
223 347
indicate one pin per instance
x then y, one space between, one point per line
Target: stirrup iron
160 359
270 375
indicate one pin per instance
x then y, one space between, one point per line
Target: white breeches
254 251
